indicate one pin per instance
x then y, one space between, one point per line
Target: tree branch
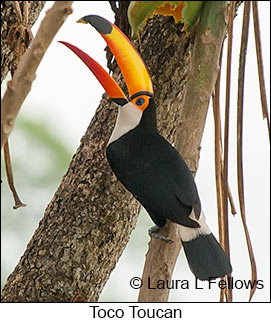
20 85
260 63
9 23
17 201
240 112
225 241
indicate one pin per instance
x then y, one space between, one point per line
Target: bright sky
67 94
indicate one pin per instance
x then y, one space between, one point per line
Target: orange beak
130 62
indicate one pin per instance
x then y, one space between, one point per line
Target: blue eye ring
140 101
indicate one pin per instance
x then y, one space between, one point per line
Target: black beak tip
100 24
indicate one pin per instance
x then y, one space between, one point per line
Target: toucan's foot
153 232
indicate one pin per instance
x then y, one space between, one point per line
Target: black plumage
155 173
206 258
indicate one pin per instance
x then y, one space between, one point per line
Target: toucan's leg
153 232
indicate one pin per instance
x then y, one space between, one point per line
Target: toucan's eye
140 101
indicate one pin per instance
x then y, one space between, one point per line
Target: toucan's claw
153 232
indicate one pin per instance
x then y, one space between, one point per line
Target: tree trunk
88 223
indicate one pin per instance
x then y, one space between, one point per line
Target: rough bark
159 265
87 224
9 20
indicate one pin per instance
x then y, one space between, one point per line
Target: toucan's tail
205 256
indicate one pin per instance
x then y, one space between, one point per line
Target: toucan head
130 62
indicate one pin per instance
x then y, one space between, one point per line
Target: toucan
145 162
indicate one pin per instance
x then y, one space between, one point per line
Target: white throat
128 118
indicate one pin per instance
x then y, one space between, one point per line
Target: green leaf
184 11
190 13
139 12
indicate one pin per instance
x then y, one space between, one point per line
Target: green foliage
191 12
184 11
139 12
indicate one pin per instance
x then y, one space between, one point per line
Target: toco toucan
145 162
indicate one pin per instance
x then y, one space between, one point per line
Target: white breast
128 118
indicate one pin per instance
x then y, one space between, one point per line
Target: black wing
156 174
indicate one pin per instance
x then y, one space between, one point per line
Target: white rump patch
188 234
128 118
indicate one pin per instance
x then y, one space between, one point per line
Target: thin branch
232 205
240 109
218 160
226 244
260 63
20 85
17 10
219 164
20 44
218 171
26 12
18 202
218 150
